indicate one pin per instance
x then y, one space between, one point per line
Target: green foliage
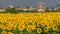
11 10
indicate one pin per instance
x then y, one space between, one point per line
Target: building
56 8
2 9
11 6
40 5
39 8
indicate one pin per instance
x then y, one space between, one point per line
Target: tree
11 10
46 9
27 6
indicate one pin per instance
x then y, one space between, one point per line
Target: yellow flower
44 23
14 28
21 26
29 28
27 22
10 33
39 30
54 27
14 24
3 27
58 23
33 26
46 29
49 25
21 19
0 25
20 32
54 33
9 27
4 32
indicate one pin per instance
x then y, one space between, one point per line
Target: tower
11 6
40 5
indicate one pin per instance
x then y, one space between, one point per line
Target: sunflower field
30 23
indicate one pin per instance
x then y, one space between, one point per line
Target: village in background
40 8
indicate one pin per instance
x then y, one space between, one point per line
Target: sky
24 3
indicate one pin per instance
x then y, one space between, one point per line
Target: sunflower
0 25
54 33
46 29
14 28
33 26
49 25
21 26
27 22
54 27
10 33
58 23
4 32
9 27
39 30
29 28
14 24
3 27
44 23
